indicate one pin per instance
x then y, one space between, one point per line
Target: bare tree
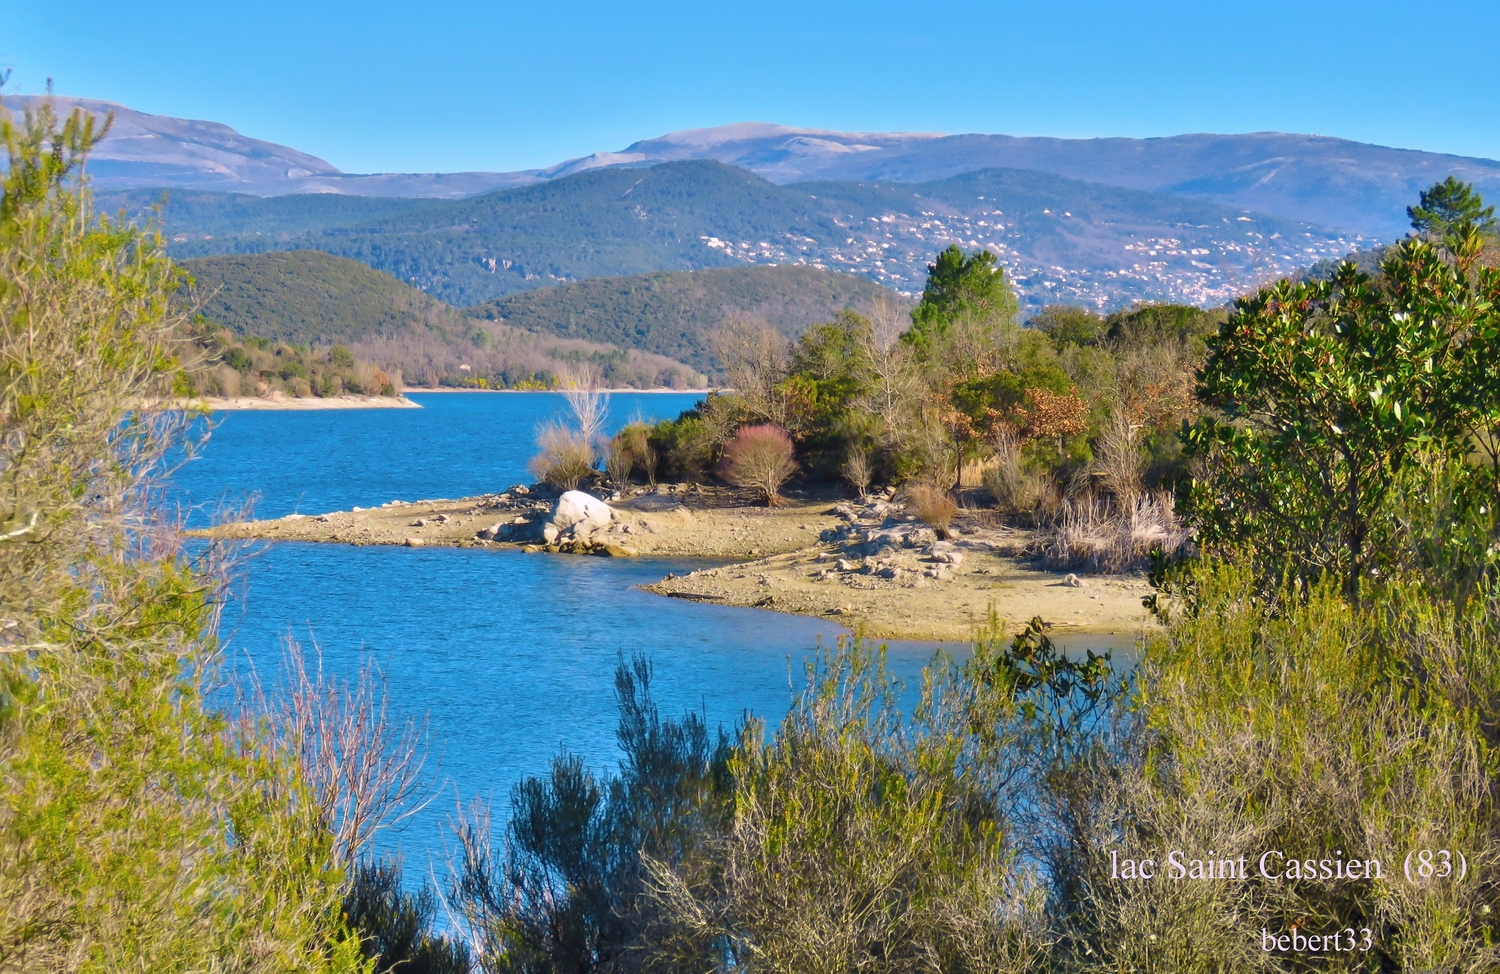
583 390
756 358
362 765
895 385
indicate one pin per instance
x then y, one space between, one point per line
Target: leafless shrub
636 439
857 470
1092 534
619 460
363 767
1120 461
933 505
761 457
1016 487
566 456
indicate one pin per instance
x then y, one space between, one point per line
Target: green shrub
395 925
1328 394
141 830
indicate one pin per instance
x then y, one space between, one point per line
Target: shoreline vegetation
280 401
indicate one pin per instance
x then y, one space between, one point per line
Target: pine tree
1446 206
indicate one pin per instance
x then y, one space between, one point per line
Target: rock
953 558
654 502
616 551
919 536
889 571
521 489
845 565
413 542
442 519
418 523
1073 581
323 518
578 515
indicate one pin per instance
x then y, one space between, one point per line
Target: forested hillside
674 314
196 215
307 296
1061 239
309 299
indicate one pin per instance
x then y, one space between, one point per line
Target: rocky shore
871 565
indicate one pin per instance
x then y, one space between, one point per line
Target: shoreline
872 568
291 403
652 392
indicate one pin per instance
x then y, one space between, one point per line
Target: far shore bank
283 402
684 392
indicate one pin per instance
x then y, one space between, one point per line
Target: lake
510 657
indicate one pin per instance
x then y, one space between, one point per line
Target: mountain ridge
1329 181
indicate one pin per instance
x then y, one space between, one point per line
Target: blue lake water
510 657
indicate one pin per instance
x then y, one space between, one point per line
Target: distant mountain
674 314
161 151
1331 182
1062 239
310 298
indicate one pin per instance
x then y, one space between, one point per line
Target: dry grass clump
566 456
933 505
1092 534
761 457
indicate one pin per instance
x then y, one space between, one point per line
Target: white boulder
577 514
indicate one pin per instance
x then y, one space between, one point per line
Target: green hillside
308 299
307 296
1060 239
673 313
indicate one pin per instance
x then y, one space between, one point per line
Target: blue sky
380 86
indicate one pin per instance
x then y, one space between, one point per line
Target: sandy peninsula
871 566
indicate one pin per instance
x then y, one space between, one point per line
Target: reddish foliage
761 457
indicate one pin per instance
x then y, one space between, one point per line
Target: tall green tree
959 285
1445 206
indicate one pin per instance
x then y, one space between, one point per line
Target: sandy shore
871 567
684 392
291 402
